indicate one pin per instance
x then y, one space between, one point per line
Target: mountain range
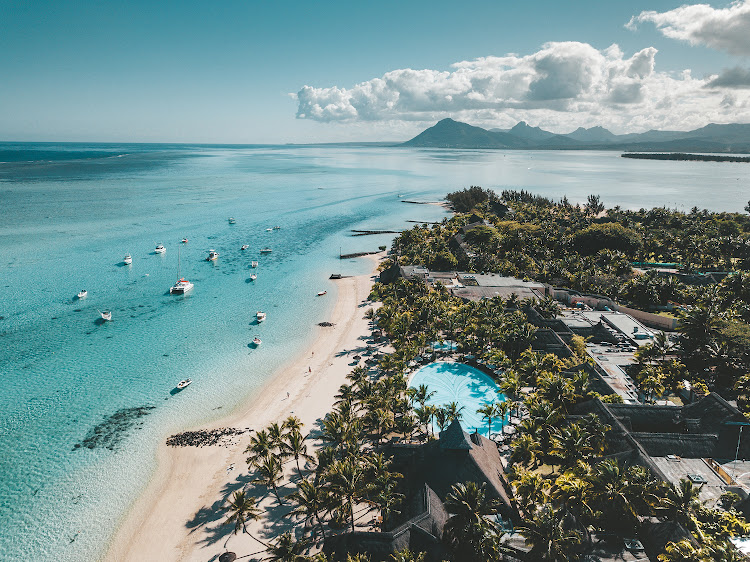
448 133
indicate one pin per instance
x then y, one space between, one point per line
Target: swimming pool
461 383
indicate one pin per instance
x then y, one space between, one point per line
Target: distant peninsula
683 156
729 138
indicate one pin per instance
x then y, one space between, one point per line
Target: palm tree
276 435
454 411
407 555
684 551
469 527
531 489
488 412
294 446
292 423
571 444
549 537
270 472
422 394
309 501
424 416
260 446
682 504
526 449
242 509
346 478
441 418
501 410
287 549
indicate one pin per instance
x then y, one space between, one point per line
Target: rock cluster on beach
204 437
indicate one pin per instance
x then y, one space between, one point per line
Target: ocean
84 403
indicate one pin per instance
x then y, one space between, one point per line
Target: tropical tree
469 527
407 555
270 472
488 412
309 501
287 549
294 446
241 509
346 478
259 447
550 537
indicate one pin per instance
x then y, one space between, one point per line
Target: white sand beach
178 517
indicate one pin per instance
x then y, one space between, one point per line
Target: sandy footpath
178 516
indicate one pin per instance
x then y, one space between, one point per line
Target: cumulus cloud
561 86
736 77
726 29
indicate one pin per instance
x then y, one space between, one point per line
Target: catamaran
128 259
253 277
254 264
82 294
106 315
260 316
160 249
182 285
213 255
231 220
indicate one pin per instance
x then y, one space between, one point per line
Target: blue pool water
70 212
461 383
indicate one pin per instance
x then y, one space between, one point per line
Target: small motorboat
244 247
128 259
256 341
82 294
184 240
181 287
213 255
254 264
253 277
321 293
231 220
184 384
277 228
266 251
160 249
260 316
269 230
106 315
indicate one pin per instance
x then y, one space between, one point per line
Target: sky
281 71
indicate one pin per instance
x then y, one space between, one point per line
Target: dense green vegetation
566 494
590 249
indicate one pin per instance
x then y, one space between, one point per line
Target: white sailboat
106 315
128 259
182 285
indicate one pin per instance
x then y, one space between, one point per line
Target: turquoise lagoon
469 387
84 404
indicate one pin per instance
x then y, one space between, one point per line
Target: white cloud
725 29
560 87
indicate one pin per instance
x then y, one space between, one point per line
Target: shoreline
170 518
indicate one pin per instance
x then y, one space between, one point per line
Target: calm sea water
68 215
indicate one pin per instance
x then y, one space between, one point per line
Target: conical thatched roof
454 438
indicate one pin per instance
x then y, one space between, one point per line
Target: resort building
702 442
430 470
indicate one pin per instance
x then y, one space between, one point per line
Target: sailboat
182 285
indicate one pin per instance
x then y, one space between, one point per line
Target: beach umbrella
228 557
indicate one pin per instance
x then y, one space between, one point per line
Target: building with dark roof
431 469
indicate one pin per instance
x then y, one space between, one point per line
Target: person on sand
309 369
287 395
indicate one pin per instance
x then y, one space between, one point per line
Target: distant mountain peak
448 133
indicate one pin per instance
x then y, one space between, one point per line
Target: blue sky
229 71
